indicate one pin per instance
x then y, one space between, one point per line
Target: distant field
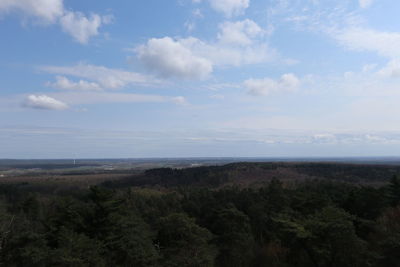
59 179
184 172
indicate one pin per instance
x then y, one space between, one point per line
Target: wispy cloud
107 78
262 87
64 83
229 8
81 98
365 3
363 39
79 26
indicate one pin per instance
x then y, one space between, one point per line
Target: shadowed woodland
207 216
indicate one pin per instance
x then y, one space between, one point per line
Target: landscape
199 133
200 212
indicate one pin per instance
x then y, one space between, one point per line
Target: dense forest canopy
207 216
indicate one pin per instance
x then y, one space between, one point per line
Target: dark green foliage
188 218
388 237
76 250
125 236
394 191
183 243
365 202
233 237
97 231
25 249
216 176
167 177
331 239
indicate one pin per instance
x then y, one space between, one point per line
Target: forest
333 215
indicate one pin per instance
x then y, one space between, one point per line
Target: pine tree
394 191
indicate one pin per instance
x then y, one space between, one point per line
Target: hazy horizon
364 159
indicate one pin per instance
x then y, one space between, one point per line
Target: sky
199 78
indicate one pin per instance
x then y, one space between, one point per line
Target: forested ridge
246 173
208 216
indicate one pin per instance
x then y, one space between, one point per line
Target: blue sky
196 78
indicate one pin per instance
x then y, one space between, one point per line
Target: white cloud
262 87
324 138
197 13
365 3
171 58
289 81
368 67
80 27
66 84
391 70
239 32
190 26
230 7
107 78
46 10
384 43
217 96
44 102
238 43
179 100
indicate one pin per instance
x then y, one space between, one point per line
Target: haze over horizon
199 78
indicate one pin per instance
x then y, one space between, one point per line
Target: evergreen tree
388 237
183 243
394 191
332 240
234 237
125 236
